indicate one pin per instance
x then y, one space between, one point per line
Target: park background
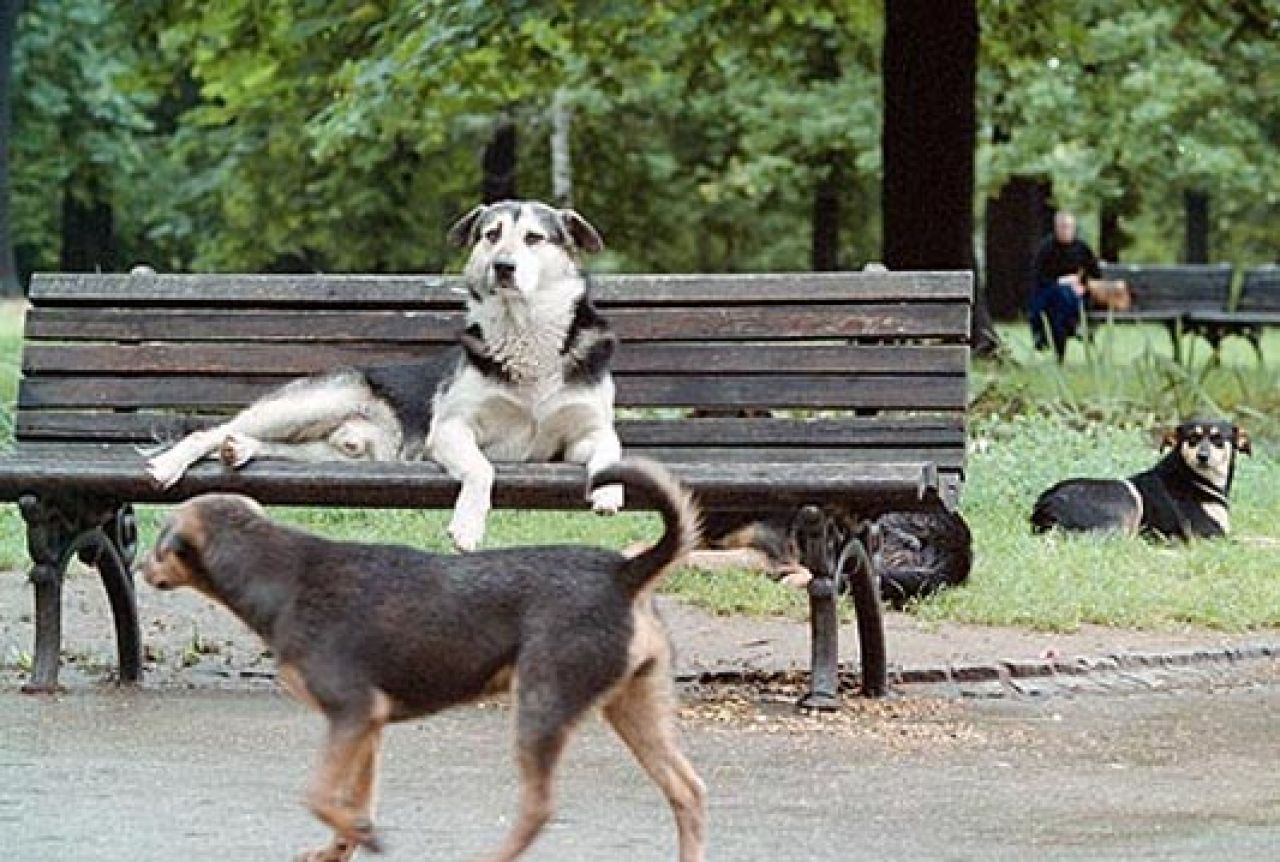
716 136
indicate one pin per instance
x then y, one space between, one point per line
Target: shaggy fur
530 381
372 634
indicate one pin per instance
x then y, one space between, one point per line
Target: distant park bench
868 370
1257 308
1167 295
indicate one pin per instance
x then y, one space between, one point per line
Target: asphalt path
101 774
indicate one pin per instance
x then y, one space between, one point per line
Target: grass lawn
1033 423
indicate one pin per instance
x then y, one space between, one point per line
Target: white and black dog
530 383
1184 496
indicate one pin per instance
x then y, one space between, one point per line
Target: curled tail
656 486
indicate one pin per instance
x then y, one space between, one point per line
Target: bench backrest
1199 287
1260 290
857 367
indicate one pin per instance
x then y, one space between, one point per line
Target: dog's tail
680 516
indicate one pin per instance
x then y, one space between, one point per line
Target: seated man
1062 266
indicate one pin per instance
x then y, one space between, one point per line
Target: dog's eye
493 233
533 238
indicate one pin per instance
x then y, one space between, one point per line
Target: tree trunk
930 67
499 163
1017 220
829 173
10 285
1196 244
1110 237
88 231
561 156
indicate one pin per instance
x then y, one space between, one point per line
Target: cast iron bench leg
837 561
102 534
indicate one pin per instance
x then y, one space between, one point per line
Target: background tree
249 135
9 9
930 128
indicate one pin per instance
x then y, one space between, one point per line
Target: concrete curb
1027 677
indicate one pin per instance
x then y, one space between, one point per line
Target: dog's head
181 554
1208 447
519 247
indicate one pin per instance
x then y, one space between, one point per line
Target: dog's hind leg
598 450
453 446
311 406
642 713
356 439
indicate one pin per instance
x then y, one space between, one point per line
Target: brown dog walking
371 634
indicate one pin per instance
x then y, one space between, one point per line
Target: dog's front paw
338 851
165 470
606 500
793 575
466 532
238 450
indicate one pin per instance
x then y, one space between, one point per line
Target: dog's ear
463 231
1169 440
584 236
172 541
1243 444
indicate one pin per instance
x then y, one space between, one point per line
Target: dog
1184 496
920 553
529 382
372 634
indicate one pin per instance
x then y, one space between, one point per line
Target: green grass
1033 423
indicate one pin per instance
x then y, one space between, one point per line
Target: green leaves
250 134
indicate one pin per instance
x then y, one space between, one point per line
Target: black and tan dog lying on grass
371 634
1184 496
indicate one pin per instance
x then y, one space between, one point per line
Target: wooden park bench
866 374
1166 295
1257 308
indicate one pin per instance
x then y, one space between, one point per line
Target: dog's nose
504 268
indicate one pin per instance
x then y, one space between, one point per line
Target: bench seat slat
441 292
1255 318
293 359
424 485
942 456
886 392
945 431
783 322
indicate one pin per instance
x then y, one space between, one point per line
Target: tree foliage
311 134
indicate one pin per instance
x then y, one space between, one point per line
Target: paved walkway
151 776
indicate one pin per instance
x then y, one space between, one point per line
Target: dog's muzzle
504 271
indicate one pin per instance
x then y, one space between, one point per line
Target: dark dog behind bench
371 634
920 552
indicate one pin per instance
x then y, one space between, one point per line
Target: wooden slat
946 431
673 358
775 322
660 390
1261 290
444 292
1234 318
943 457
1192 286
870 487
